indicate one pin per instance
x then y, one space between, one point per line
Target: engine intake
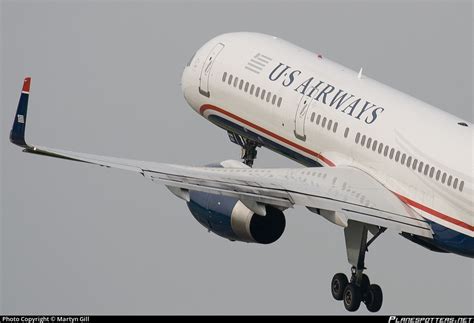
228 217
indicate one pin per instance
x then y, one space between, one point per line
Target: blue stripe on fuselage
452 241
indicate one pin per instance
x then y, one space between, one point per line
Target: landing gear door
300 116
206 70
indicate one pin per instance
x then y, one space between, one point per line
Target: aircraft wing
339 193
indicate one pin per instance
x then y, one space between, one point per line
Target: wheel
352 298
338 284
365 283
373 298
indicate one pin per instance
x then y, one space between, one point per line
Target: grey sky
106 80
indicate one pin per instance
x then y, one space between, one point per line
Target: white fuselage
417 151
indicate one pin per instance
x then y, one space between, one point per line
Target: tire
365 283
352 298
338 285
374 298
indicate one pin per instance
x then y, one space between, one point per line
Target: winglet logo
20 118
326 93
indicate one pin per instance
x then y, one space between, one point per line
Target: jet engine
230 218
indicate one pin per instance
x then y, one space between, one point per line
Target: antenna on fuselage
359 76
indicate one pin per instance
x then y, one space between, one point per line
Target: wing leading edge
344 193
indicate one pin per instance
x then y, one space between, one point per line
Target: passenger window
415 162
427 168
241 84
252 87
385 151
357 138
230 79
392 151
318 119
380 148
455 184
269 96
374 145
420 167
450 178
335 127
224 76
404 156
312 116
279 101
369 142
274 99
346 132
262 96
443 179
329 124
397 156
323 124
246 87
461 186
432 171
362 141
257 91
236 81
438 174
409 161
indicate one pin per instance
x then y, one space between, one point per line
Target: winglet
17 134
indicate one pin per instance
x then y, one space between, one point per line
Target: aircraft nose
186 84
184 79
189 82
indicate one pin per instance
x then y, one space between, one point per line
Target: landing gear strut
249 152
249 147
358 289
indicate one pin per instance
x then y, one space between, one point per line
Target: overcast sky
106 79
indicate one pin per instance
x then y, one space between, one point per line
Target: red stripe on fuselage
435 213
330 163
267 132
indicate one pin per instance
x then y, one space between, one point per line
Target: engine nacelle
228 217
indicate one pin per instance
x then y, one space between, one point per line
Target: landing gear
373 298
358 289
338 285
249 152
249 147
352 297
353 294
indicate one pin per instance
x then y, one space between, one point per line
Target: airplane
375 158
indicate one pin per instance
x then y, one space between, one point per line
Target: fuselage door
300 116
206 70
